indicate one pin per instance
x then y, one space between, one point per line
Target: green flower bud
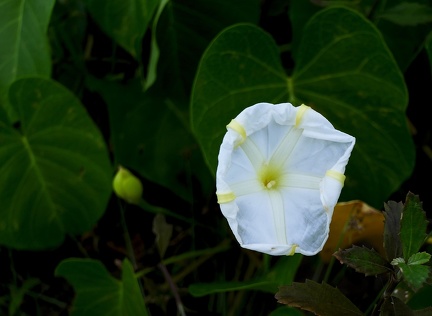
127 186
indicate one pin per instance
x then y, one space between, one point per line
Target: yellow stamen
237 127
300 113
225 197
336 175
270 184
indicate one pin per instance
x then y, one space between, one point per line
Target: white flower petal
280 173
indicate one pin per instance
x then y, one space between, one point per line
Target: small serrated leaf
419 258
396 261
363 260
392 242
413 226
415 275
321 299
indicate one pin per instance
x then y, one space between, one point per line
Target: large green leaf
358 87
241 67
24 46
126 21
404 42
98 293
55 171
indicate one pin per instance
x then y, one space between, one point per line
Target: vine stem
391 285
173 288
129 246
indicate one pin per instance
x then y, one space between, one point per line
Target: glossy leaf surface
24 48
334 73
56 174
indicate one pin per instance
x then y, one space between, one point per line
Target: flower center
269 176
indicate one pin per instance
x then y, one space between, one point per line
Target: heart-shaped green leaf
98 293
55 170
240 67
24 46
358 87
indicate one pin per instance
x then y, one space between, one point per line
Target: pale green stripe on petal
286 147
278 215
253 153
247 187
294 180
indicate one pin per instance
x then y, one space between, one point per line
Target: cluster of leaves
87 86
404 235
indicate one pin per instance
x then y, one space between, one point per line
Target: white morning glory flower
280 173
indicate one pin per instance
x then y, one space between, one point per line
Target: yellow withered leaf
354 223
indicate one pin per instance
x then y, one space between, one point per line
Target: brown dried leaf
357 224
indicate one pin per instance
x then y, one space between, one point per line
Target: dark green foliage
89 85
363 260
321 299
413 226
392 241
